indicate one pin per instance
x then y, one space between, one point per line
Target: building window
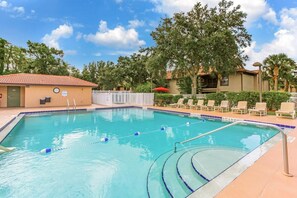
224 81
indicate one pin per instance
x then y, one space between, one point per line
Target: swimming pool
129 164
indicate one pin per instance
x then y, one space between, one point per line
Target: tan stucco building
38 90
241 80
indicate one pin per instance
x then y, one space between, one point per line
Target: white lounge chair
200 104
224 106
240 108
260 109
287 108
188 104
178 104
209 106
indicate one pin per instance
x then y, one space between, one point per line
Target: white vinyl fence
124 98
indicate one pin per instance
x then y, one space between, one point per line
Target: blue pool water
87 167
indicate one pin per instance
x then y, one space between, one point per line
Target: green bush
274 99
250 96
144 88
218 97
163 99
175 98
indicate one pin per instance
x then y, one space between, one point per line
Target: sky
93 30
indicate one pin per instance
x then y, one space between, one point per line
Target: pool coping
9 126
221 118
221 181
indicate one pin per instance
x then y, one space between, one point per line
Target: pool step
187 172
181 173
212 162
171 179
155 185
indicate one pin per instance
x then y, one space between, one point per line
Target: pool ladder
68 104
284 140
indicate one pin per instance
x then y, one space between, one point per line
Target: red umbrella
161 89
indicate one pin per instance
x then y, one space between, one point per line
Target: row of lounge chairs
287 108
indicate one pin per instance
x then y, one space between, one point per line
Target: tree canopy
203 38
279 67
36 58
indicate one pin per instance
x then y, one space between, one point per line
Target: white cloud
119 37
136 23
70 52
97 54
79 35
270 16
52 39
121 53
3 4
103 26
254 9
283 41
19 10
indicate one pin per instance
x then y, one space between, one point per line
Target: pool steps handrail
284 140
68 104
4 149
74 104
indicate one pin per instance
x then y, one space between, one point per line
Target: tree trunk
275 73
275 83
287 85
194 84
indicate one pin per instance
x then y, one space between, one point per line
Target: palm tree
279 66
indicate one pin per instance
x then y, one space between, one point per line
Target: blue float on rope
46 150
137 133
104 139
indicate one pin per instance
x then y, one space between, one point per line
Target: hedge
273 99
163 99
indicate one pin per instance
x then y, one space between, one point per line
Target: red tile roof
41 79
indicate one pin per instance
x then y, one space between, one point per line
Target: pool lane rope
106 139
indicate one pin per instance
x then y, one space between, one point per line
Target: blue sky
105 29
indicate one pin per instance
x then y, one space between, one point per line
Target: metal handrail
68 104
74 104
284 140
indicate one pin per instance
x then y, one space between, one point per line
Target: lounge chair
178 104
240 108
200 104
224 106
188 104
287 108
209 106
260 109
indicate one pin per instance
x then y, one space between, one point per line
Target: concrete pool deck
263 179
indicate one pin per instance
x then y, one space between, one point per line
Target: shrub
218 97
274 99
162 99
175 98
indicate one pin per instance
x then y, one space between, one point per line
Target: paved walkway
263 179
